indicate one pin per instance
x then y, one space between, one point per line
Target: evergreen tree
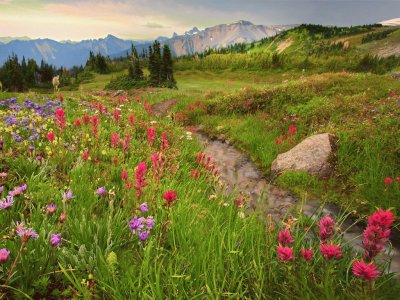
155 64
167 66
135 70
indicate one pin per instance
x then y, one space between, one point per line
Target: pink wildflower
285 238
307 254
140 180
330 251
365 271
285 253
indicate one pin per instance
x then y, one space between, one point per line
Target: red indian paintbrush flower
307 254
116 115
330 251
77 122
169 197
51 136
140 180
285 238
114 139
150 135
382 218
365 271
86 119
326 228
131 119
85 155
60 119
377 232
95 125
292 130
124 175
388 181
164 141
285 253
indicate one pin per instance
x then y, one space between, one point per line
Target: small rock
312 155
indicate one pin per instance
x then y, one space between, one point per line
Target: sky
148 19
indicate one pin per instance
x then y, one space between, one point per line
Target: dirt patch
388 51
284 45
161 109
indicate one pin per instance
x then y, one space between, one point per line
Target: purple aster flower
31 148
55 240
26 233
4 254
136 224
23 188
150 223
51 209
6 203
143 207
101 191
143 235
68 195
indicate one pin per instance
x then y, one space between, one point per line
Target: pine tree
155 64
135 70
167 66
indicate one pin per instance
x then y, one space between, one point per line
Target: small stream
239 174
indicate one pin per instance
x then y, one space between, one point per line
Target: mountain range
69 53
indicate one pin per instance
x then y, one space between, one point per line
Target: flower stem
15 262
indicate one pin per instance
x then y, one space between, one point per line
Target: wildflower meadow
101 199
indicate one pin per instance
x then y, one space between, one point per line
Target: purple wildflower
51 209
26 233
6 203
143 235
150 223
68 195
101 191
55 240
136 224
31 148
143 207
4 254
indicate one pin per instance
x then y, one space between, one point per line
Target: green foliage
125 82
97 63
375 36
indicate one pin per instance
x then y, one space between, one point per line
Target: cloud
154 25
77 19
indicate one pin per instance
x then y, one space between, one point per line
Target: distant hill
7 39
65 54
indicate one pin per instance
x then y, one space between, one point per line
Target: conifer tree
167 66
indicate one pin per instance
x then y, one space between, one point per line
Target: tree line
159 63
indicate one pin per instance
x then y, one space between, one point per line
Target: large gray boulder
313 155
